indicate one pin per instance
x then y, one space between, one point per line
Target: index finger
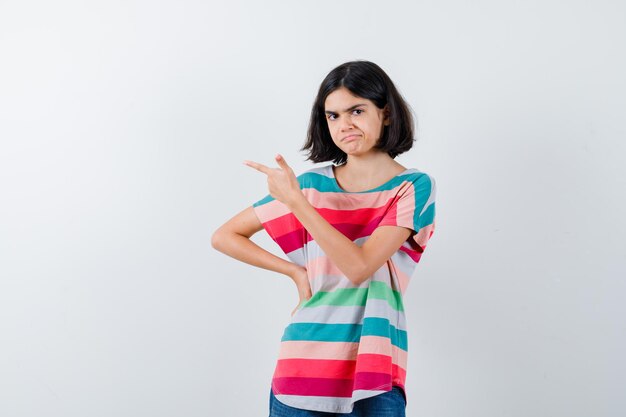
259 167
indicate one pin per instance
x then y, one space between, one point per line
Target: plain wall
123 127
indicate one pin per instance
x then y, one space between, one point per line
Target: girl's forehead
342 99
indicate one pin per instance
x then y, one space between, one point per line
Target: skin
366 168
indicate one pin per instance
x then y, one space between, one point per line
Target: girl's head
358 98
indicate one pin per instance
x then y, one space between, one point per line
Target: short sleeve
414 209
279 222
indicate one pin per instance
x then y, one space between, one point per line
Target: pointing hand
281 182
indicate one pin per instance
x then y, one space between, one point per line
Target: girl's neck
361 173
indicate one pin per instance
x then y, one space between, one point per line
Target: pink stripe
333 205
314 368
288 232
382 346
380 364
399 375
313 387
361 207
424 234
367 362
291 241
405 208
413 254
372 381
403 279
321 266
271 210
318 350
339 201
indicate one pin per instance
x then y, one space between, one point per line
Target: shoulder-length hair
364 79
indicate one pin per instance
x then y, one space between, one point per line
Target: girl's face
355 123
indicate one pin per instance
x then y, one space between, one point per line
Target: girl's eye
331 116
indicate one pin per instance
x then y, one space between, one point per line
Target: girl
353 231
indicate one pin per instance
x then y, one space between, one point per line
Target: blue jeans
389 404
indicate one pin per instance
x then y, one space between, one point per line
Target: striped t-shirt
348 342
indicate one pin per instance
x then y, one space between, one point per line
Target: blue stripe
322 183
376 326
320 332
423 188
427 218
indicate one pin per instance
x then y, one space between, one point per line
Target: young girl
353 231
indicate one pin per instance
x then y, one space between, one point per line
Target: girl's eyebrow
348 109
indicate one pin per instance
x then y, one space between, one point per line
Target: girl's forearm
346 254
245 250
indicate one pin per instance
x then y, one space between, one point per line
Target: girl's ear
386 120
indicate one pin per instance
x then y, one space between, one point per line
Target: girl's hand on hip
301 278
281 182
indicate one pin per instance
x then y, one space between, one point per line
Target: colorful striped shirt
348 341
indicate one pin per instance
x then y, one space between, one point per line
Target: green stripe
357 296
339 297
382 291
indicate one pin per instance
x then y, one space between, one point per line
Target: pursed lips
350 137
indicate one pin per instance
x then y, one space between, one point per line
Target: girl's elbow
357 277
217 240
356 281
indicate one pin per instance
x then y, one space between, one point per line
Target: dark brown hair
364 79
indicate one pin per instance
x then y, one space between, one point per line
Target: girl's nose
347 123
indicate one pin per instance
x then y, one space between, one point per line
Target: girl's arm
357 263
233 239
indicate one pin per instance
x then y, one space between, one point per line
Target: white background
123 128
